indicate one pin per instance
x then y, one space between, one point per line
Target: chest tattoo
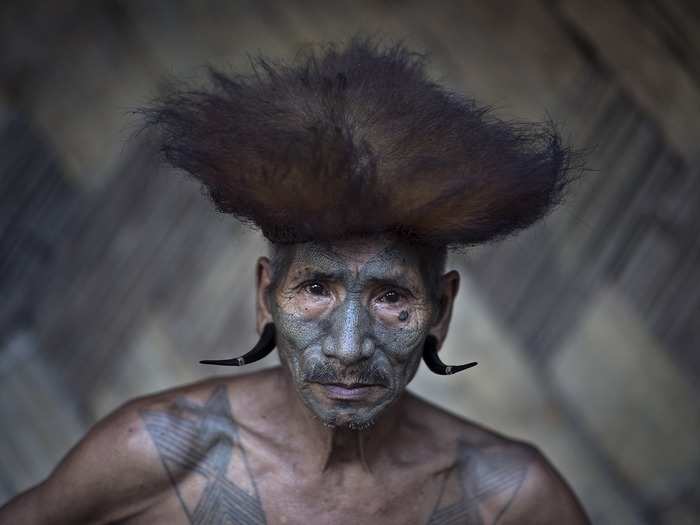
203 440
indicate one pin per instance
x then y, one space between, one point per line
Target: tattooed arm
543 498
112 473
503 483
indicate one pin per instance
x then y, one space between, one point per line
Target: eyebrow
317 275
396 278
399 282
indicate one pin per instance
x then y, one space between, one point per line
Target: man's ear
263 283
449 286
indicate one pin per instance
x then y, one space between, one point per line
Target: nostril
328 346
367 347
350 349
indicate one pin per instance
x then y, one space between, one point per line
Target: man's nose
350 340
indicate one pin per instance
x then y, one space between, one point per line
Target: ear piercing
433 361
263 347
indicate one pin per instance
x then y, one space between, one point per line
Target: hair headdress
358 140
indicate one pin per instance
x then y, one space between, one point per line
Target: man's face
351 318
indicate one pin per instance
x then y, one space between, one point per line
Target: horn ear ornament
433 361
263 347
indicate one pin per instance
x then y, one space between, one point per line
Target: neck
338 447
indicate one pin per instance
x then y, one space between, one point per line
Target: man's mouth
346 392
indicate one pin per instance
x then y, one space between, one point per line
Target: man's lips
344 392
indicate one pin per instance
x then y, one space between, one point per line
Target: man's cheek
297 330
400 342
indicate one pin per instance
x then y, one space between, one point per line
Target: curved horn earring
264 346
433 361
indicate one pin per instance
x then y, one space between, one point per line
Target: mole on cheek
403 315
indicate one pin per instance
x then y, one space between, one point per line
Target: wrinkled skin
352 313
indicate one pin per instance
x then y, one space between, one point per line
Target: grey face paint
350 350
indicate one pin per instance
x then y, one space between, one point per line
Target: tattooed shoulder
482 484
495 481
199 445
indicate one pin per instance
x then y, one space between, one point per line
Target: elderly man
362 173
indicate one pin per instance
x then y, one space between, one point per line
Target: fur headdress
357 140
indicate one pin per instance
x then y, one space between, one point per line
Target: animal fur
358 140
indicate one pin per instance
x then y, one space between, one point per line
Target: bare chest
212 475
402 496
282 499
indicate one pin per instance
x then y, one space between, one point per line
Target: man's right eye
316 288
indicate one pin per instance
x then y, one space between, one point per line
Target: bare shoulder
116 469
543 496
496 479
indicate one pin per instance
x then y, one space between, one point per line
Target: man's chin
344 414
346 421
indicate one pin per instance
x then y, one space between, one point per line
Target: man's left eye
392 296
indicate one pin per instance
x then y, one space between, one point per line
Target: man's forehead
380 255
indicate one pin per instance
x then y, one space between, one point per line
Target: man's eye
316 288
392 296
